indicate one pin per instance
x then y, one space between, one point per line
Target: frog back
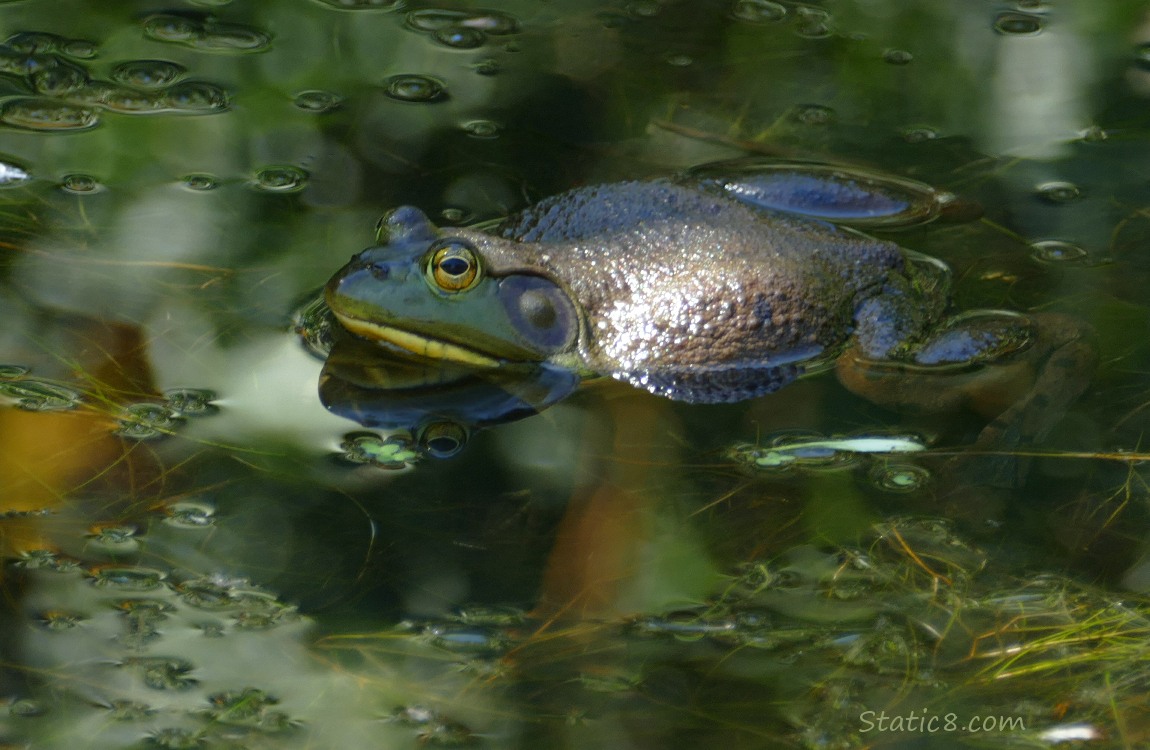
695 295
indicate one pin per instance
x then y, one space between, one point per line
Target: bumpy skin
695 295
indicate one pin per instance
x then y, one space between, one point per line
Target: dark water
193 561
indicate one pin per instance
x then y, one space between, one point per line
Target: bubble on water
207 35
470 639
130 101
812 23
59 620
32 42
790 450
249 707
41 113
814 114
47 560
95 93
191 402
893 477
643 9
205 593
412 716
492 21
166 28
80 184
317 101
919 134
455 215
196 97
433 19
487 67
897 56
678 60
199 182
280 179
114 539
79 49
446 734
148 74
1094 134
233 38
758 11
482 614
8 515
123 710
439 19
12 175
59 80
685 625
141 622
460 37
154 609
1017 24
482 128
164 673
190 514
147 421
39 395
1058 192
175 738
128 579
409 87
1058 251
363 4
26 708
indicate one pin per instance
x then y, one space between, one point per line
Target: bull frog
687 287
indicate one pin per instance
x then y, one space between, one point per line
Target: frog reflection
439 403
699 289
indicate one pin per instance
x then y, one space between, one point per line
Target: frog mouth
424 346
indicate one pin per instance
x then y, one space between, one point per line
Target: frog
687 287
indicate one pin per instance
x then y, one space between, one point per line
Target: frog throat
424 346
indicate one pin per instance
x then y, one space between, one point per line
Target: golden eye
453 265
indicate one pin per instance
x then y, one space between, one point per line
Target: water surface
198 555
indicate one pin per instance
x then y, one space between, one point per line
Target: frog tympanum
690 288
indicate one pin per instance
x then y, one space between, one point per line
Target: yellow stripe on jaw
416 344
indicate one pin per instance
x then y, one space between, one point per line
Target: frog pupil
443 446
454 266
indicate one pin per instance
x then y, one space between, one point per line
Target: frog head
459 295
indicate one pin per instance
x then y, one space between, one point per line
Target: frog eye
452 265
443 439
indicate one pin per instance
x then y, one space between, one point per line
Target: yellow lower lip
416 344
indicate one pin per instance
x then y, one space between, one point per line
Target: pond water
199 554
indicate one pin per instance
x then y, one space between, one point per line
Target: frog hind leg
1070 361
1024 386
712 385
